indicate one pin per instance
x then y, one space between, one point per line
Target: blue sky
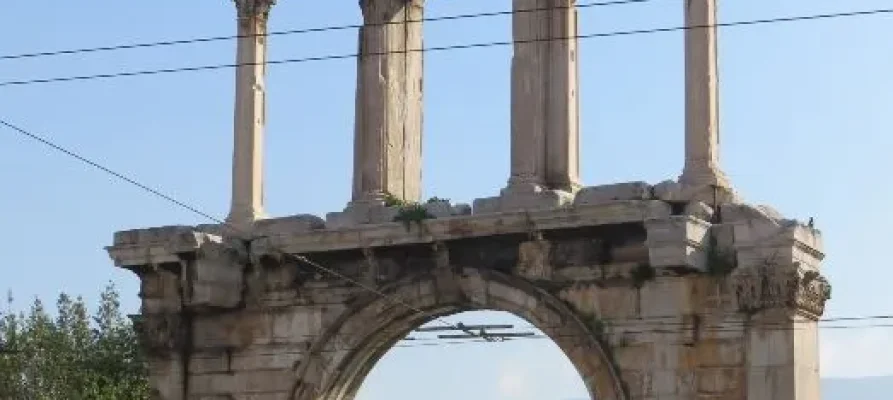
803 129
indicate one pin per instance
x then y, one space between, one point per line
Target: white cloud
514 382
856 353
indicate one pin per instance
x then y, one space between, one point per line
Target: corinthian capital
781 286
254 8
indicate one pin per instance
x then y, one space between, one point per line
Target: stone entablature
668 297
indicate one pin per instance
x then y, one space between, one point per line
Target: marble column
544 105
250 113
701 97
388 130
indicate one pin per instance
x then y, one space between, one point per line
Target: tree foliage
73 355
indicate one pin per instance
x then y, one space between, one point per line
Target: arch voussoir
372 328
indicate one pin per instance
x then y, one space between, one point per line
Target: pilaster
784 303
249 114
779 286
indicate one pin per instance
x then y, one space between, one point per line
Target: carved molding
254 8
781 286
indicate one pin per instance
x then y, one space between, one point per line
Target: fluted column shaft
701 96
250 113
388 130
545 119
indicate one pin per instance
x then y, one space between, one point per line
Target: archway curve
341 358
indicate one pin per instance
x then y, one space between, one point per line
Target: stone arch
339 360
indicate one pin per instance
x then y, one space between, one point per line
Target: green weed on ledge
720 262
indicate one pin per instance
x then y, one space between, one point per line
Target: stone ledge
676 235
158 248
457 227
761 235
613 192
510 201
155 246
356 214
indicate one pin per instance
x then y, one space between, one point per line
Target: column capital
383 11
254 8
763 287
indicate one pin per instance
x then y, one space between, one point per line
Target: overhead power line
425 342
300 258
440 342
449 48
332 28
673 326
639 322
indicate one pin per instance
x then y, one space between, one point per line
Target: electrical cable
299 258
441 342
444 48
305 30
304 260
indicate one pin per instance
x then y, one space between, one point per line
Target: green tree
71 357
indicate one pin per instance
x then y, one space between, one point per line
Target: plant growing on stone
392 201
641 274
409 211
720 262
412 212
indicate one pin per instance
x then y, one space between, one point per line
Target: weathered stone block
613 192
443 209
675 337
151 235
161 333
296 324
716 352
210 362
264 358
231 330
485 205
699 210
677 241
719 380
215 276
547 199
639 357
665 296
207 294
773 383
668 191
517 200
217 230
663 382
288 225
359 213
533 260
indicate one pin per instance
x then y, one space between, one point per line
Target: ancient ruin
677 290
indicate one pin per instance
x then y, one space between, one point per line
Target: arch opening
343 357
423 364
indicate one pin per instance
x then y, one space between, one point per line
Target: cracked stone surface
260 313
